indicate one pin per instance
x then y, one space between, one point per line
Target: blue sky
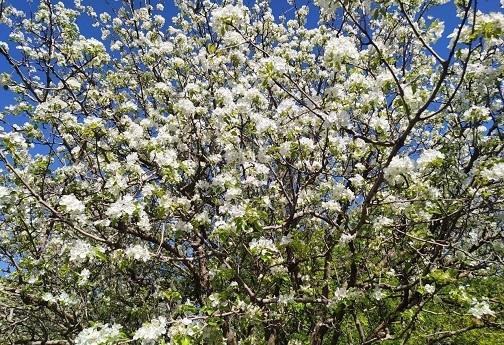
445 12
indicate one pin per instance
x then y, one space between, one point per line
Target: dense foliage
235 177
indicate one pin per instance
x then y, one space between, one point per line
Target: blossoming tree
233 177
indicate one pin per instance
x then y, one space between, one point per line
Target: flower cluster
72 204
150 332
138 252
340 50
99 334
262 246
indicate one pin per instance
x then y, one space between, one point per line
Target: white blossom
285 299
397 169
378 294
99 335
430 289
73 83
65 299
138 252
480 309
72 204
340 293
327 6
4 46
84 276
159 20
340 50
125 205
4 192
273 68
476 113
151 331
49 297
185 107
494 173
225 17
185 327
428 157
80 251
262 246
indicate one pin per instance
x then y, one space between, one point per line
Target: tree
244 179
